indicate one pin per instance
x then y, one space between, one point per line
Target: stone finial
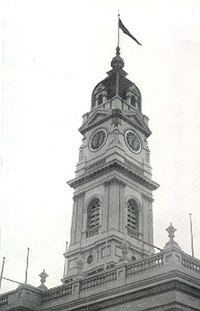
43 275
171 230
171 243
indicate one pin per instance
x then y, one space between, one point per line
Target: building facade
111 263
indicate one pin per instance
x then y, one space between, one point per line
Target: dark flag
125 30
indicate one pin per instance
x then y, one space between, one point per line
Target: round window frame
126 141
104 141
89 262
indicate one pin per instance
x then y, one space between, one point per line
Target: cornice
116 115
114 165
147 198
144 129
114 180
21 309
107 302
97 243
78 195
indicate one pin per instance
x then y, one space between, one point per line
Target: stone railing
98 280
3 300
138 267
57 292
152 262
123 272
190 262
134 166
92 231
95 165
132 232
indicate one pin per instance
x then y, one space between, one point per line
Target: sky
53 53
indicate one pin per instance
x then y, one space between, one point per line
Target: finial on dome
117 50
117 61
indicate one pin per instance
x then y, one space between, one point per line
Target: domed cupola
116 85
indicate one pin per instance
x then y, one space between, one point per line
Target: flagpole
65 261
27 260
2 269
118 30
191 234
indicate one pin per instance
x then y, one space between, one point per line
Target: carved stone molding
115 181
115 137
143 293
78 196
95 165
116 120
147 198
114 165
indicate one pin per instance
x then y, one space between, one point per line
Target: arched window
100 99
132 217
93 217
133 101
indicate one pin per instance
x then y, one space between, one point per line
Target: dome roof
116 83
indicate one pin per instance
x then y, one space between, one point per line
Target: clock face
98 139
90 259
133 141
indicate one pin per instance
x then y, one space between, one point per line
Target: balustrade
98 280
95 165
145 264
139 266
57 292
92 231
191 263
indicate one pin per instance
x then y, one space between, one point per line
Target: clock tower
112 219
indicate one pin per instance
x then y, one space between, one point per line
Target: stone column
114 204
79 219
73 223
148 218
122 207
105 215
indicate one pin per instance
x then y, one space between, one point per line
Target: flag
125 30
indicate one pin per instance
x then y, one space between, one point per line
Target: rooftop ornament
171 243
43 275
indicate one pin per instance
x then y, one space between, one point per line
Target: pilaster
73 223
77 218
148 215
114 194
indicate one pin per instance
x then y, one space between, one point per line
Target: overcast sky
53 53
